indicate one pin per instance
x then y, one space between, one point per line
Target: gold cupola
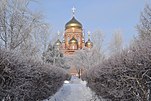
73 23
57 44
89 44
73 41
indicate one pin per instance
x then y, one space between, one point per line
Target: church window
73 47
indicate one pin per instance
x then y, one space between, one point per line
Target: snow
76 90
66 81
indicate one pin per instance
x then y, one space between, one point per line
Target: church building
73 37
73 40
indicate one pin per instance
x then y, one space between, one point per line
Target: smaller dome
73 41
58 43
89 44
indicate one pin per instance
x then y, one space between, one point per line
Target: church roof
73 23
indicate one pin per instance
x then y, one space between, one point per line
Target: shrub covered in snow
126 76
24 79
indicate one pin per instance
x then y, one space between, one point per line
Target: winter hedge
24 79
125 76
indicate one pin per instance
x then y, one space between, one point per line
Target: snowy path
76 90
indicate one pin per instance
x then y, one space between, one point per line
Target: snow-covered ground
76 90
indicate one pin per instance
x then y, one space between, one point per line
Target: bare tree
126 75
116 42
98 39
40 39
144 27
86 58
21 29
55 57
3 29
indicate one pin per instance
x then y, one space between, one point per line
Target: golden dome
58 43
73 23
73 41
88 43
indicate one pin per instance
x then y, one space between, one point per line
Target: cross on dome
89 34
73 10
58 33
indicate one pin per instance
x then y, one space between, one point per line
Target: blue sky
104 15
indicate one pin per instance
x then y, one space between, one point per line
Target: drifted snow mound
76 90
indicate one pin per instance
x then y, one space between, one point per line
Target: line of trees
126 76
24 36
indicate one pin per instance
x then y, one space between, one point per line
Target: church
73 37
73 40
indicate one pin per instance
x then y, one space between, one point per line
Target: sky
105 15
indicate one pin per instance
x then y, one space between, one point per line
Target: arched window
73 47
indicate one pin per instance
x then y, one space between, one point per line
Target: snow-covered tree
86 58
55 57
98 39
21 29
116 43
125 76
144 27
